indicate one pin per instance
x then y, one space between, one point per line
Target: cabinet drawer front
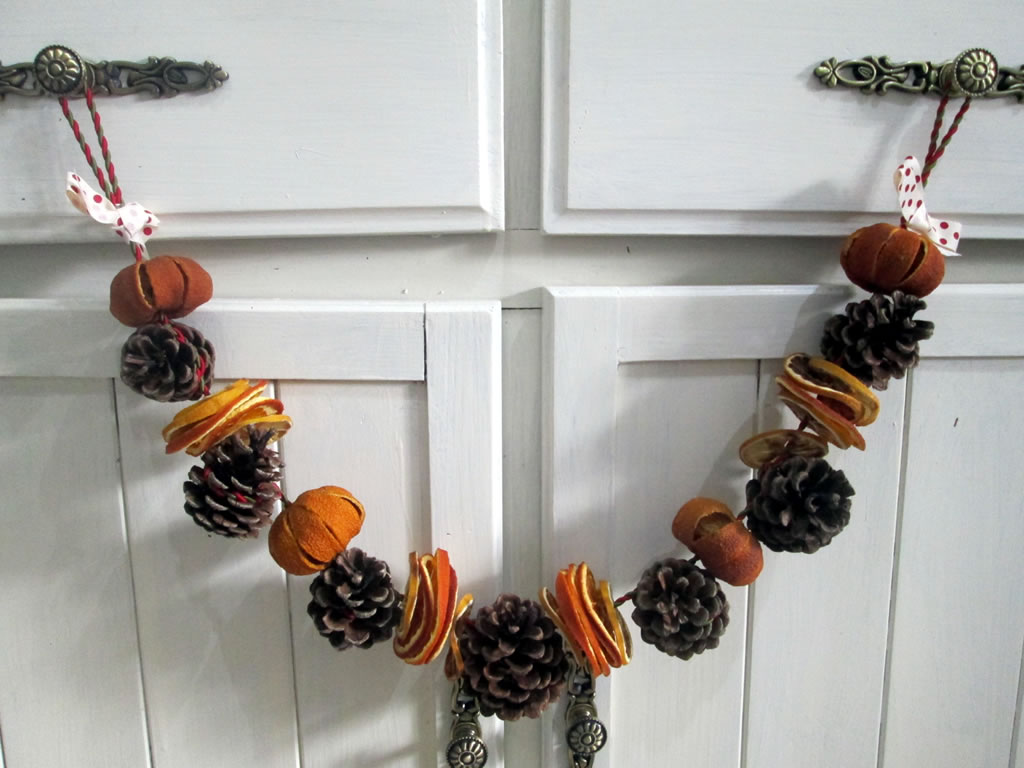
355 117
669 117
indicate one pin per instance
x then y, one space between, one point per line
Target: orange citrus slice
768 446
206 407
623 643
590 597
837 386
572 615
453 664
838 430
550 605
421 639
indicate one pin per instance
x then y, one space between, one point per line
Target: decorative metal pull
584 733
465 748
974 73
59 71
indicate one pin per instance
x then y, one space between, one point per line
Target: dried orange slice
623 643
841 390
189 432
839 431
572 614
453 664
768 446
550 605
602 631
206 407
421 639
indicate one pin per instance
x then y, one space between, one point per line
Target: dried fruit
314 528
165 286
838 389
430 600
824 420
883 258
768 446
201 426
585 613
726 548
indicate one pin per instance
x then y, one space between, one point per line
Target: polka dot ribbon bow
945 234
131 221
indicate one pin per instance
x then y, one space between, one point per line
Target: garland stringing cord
934 153
110 187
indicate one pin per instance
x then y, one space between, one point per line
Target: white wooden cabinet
338 118
667 117
132 638
900 642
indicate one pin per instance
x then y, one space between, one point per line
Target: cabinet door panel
337 118
669 117
832 658
406 412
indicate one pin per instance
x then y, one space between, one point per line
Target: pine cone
798 505
514 659
234 493
354 602
168 363
877 338
680 608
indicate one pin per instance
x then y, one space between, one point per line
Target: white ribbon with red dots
945 234
131 221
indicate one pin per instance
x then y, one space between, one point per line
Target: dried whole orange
724 545
169 286
883 258
314 528
766 447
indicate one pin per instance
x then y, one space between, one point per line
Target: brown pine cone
234 492
798 505
354 602
168 362
877 339
680 608
514 658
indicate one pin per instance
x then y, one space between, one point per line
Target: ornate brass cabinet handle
585 734
59 71
975 73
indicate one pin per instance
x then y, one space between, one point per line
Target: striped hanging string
937 148
108 183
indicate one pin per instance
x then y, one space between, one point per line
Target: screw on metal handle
584 732
59 71
975 73
466 748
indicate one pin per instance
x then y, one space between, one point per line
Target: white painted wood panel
358 707
805 707
338 118
958 622
463 349
212 616
678 118
821 686
328 339
71 691
235 670
677 427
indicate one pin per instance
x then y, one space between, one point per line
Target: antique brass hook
584 732
975 73
466 749
59 71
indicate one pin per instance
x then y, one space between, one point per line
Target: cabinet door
337 118
902 638
132 638
667 117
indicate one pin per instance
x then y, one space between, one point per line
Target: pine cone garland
877 338
798 505
354 602
234 492
680 608
169 362
514 658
